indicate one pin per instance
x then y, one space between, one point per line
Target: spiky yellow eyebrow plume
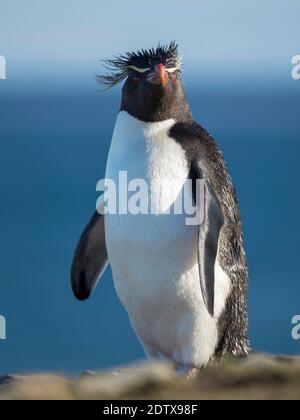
140 61
138 69
144 70
173 69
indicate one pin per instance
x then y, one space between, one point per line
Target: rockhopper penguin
184 287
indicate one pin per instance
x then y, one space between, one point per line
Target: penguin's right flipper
90 259
208 239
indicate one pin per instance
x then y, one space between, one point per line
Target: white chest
145 151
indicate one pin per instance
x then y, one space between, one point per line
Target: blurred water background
55 131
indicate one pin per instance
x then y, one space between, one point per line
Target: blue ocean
54 147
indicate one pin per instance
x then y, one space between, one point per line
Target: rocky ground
257 377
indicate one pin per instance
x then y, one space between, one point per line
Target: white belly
154 257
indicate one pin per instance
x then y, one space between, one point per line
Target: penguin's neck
153 109
129 127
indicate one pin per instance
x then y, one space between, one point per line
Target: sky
47 42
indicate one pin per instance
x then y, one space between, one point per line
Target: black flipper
90 259
208 239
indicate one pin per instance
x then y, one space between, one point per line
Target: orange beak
159 76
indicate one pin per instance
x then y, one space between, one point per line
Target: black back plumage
233 323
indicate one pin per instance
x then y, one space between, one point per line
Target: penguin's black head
153 89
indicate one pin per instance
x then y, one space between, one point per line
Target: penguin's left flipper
90 259
208 237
